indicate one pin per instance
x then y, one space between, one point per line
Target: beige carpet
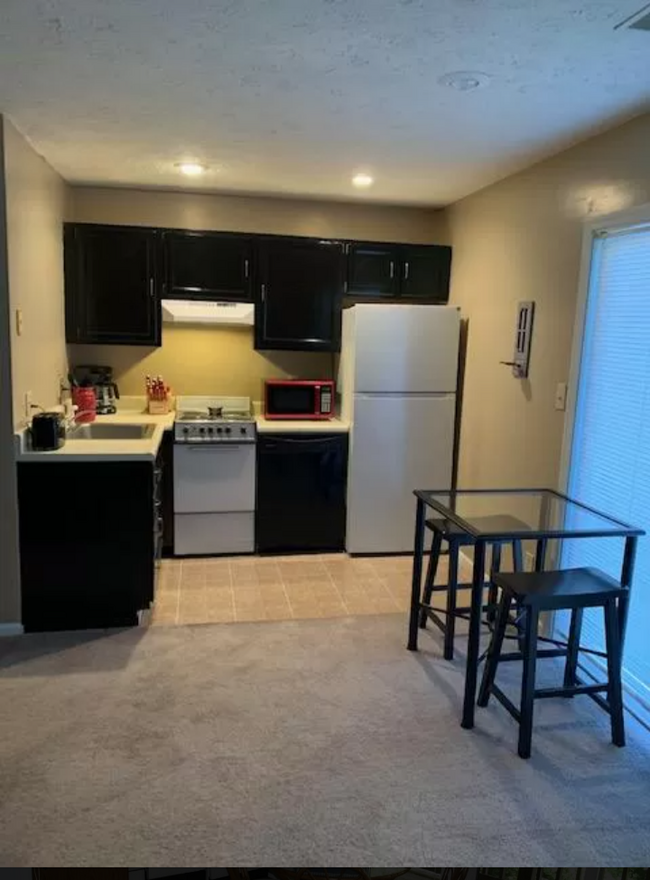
319 742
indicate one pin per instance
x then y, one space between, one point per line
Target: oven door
288 401
214 478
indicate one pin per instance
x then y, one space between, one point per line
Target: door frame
615 221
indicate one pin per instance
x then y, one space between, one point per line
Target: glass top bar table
487 515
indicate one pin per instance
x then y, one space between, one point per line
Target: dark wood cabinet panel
301 492
207 265
300 295
111 278
373 269
92 565
425 272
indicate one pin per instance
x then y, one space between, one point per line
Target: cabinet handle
392 269
406 271
151 288
263 293
246 268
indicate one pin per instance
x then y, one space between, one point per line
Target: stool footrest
543 693
505 702
545 652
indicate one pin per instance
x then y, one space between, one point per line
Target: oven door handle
212 447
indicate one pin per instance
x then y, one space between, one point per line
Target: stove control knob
242 430
210 430
219 430
227 430
186 430
201 430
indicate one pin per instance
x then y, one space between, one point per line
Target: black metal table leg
473 644
416 584
627 573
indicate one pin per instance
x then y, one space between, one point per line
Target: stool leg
612 638
528 682
452 588
517 555
494 650
573 648
493 592
518 565
432 568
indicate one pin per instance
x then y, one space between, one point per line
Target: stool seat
548 590
498 522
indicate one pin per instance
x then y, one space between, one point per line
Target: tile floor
230 590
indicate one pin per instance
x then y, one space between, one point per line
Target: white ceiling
292 96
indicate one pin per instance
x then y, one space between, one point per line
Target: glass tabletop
532 513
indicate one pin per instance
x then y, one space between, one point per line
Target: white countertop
144 450
282 426
105 450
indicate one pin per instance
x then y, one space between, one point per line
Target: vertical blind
610 454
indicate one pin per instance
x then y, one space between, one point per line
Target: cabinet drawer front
212 479
206 533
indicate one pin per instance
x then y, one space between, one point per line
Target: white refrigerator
398 375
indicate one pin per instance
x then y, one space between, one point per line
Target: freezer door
410 349
398 444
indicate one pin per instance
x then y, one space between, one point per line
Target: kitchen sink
94 431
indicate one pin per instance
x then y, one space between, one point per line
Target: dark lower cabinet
301 492
90 537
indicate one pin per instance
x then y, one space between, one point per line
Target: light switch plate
560 396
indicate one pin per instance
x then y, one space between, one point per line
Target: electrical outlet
560 396
19 322
27 401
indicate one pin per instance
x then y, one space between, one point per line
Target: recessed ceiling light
464 80
192 169
363 180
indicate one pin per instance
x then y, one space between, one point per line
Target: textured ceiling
293 96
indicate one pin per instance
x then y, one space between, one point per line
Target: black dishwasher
301 488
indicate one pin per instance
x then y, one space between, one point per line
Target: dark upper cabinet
207 265
373 269
398 271
425 272
111 284
300 295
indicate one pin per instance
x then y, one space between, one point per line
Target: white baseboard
11 629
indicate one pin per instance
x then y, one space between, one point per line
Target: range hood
188 311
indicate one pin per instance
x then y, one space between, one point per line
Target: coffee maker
101 379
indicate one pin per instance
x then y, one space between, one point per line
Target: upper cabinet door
111 285
300 292
425 272
207 265
373 269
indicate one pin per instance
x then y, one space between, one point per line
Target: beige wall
521 239
35 198
9 558
222 360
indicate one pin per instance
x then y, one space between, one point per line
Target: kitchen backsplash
203 361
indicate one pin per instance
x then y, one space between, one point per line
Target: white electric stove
214 476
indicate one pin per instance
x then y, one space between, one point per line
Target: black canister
48 431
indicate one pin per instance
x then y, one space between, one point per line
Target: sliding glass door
610 447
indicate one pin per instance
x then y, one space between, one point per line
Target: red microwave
298 399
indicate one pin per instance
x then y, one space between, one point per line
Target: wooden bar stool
574 589
455 537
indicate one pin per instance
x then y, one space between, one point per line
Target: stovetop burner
213 416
